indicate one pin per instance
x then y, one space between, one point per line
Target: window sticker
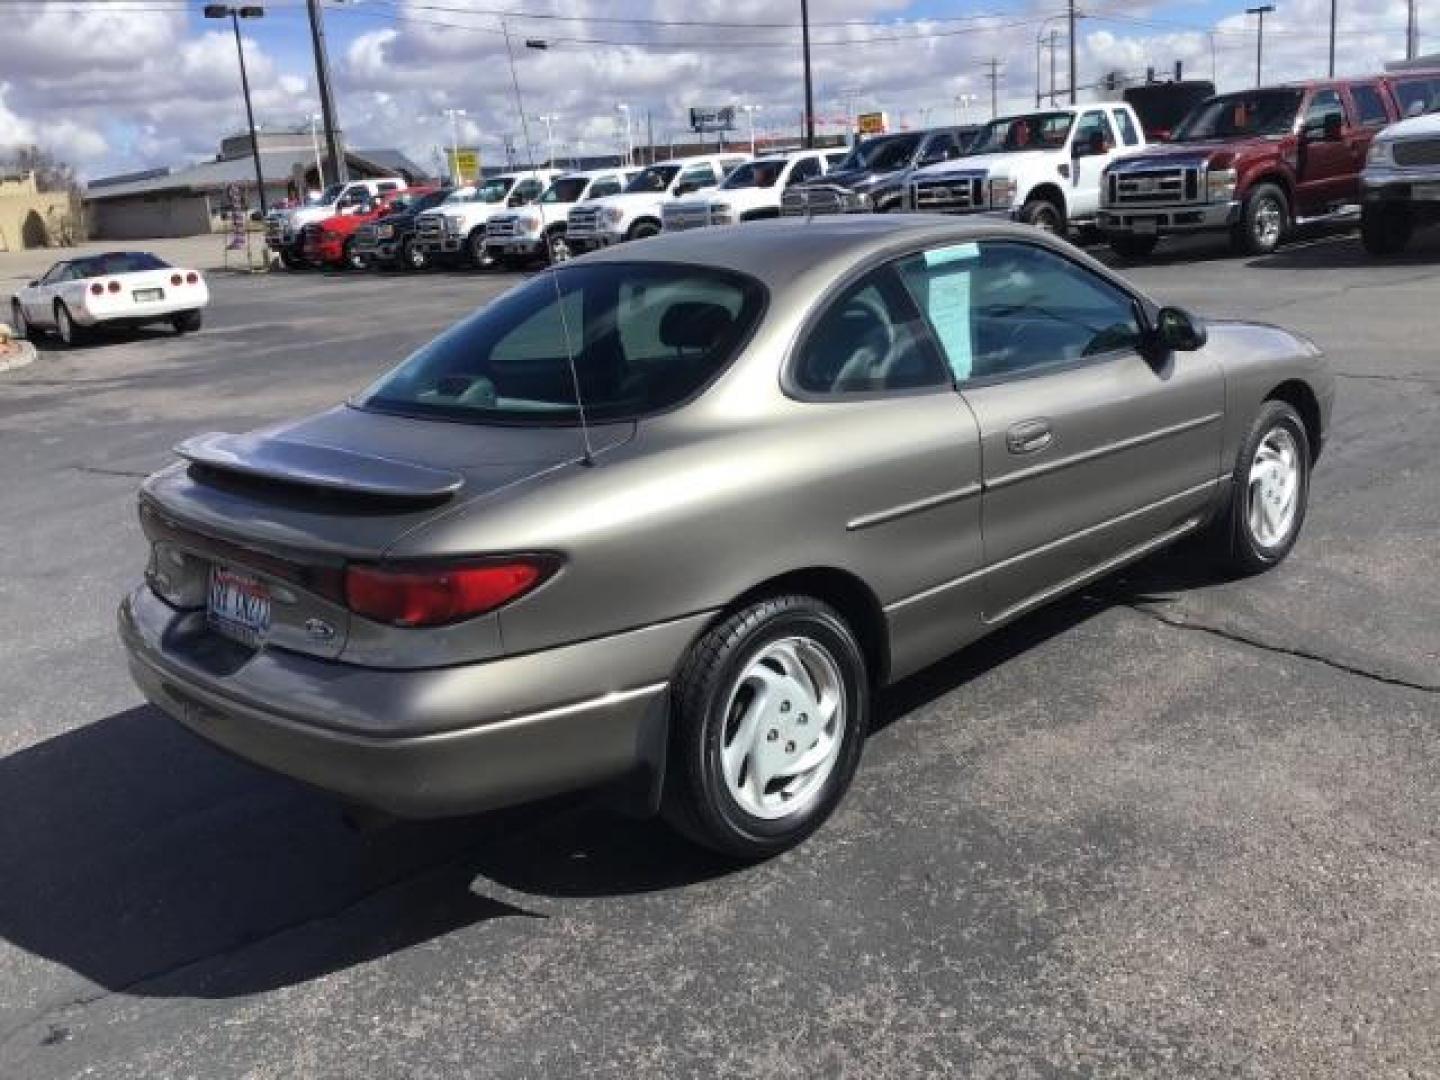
948 307
953 254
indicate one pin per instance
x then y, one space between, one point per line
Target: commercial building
192 200
31 218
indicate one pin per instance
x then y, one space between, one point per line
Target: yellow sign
464 164
872 123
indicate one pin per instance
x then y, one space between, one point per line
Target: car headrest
693 324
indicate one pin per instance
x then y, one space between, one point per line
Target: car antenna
589 451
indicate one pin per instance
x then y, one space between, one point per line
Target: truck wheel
1045 215
1264 222
769 717
641 229
413 256
1385 230
352 259
556 247
482 258
1133 247
291 262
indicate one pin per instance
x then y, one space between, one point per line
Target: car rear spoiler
325 467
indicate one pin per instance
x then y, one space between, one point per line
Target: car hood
1428 124
629 201
986 163
350 482
854 179
1201 149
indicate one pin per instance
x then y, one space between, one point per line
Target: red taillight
192 278
422 594
176 279
97 289
114 286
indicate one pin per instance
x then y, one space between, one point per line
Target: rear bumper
1159 220
416 743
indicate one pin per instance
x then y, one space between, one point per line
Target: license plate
239 605
1145 226
145 295
517 248
1425 191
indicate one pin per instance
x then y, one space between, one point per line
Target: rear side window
606 185
699 176
1127 128
643 338
870 340
1369 105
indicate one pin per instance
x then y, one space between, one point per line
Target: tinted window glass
1006 309
754 174
1417 96
655 178
567 189
1323 104
1127 128
805 169
870 340
58 272
1040 131
1093 125
882 153
699 176
644 336
1255 112
607 185
119 262
1369 105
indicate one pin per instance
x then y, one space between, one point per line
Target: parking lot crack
100 470
1240 638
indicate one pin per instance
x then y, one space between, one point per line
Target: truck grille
365 236
1164 186
1411 153
948 194
501 226
582 222
430 228
821 199
690 217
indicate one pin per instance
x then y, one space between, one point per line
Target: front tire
1264 223
1269 492
413 257
556 248
642 230
771 709
1044 215
1385 230
480 257
72 334
351 259
187 322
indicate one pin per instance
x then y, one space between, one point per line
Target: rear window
120 262
644 337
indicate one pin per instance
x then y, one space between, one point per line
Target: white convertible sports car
118 288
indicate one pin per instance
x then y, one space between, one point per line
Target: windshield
493 191
459 195
655 178
755 174
567 189
117 262
1248 115
326 197
882 153
1038 131
645 336
1418 96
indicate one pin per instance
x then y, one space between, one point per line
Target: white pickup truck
538 230
1041 168
455 230
752 191
283 228
636 212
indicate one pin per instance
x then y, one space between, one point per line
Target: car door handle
1029 436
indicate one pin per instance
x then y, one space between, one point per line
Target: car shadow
146 861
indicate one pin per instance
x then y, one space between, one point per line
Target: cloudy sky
115 85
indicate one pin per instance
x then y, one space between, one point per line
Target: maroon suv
1253 164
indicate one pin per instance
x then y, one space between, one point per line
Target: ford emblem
319 629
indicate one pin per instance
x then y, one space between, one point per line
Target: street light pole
327 99
809 86
1074 80
315 147
750 111
1334 4
234 14
1261 12
454 114
548 119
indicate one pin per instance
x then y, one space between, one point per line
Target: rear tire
1269 493
1044 215
1386 230
770 705
71 333
1128 246
20 324
187 322
1264 222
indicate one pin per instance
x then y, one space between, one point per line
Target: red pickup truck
331 242
1252 164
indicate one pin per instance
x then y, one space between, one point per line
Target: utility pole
454 114
809 86
1074 81
1333 5
1054 47
993 74
327 99
1412 32
1261 12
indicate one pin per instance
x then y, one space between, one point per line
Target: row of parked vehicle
1254 165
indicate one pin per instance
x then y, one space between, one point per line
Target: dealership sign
872 123
721 118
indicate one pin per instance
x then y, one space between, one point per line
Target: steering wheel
874 346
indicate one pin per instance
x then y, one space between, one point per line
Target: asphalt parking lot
1173 827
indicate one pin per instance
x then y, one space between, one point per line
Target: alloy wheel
784 728
1268 223
1273 495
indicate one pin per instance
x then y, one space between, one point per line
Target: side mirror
1176 330
1326 129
